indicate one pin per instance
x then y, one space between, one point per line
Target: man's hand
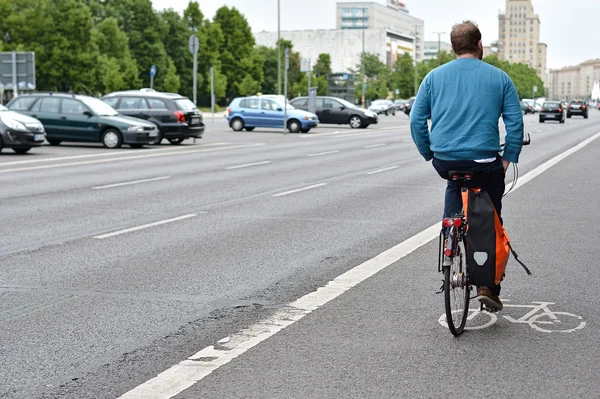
505 164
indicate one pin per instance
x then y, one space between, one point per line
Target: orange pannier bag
487 244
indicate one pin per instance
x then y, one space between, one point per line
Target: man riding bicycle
464 100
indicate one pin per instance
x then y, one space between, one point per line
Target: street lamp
439 53
416 33
278 48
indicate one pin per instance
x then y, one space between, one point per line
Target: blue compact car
250 112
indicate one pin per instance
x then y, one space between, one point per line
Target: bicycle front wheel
456 291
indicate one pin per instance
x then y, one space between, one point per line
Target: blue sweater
464 100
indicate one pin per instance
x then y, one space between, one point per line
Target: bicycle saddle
461 175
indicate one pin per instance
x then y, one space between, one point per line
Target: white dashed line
145 226
323 153
375 145
299 190
248 165
129 183
383 170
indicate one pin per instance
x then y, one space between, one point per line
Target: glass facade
355 18
341 85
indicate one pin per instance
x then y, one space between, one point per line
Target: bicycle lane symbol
540 318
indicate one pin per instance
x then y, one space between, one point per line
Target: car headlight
135 129
13 124
369 113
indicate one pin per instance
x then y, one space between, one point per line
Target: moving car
577 107
526 108
19 132
176 116
251 112
383 107
408 106
335 110
399 105
552 110
70 117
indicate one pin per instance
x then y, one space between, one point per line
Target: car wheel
355 121
562 120
136 145
159 139
294 126
53 141
569 116
112 139
585 116
237 124
541 120
176 141
21 150
1 144
249 129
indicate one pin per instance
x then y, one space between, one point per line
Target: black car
408 106
552 110
338 111
176 116
577 107
19 132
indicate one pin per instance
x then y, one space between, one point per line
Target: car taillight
560 110
180 116
583 107
228 112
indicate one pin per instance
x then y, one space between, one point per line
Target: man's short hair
465 38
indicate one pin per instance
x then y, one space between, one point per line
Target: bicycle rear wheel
456 291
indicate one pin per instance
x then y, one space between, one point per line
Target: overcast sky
572 33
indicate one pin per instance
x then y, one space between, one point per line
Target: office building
519 37
431 50
574 82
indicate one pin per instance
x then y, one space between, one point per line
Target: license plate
195 121
153 133
38 137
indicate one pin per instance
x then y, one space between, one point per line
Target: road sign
153 71
304 65
397 91
535 89
20 71
194 44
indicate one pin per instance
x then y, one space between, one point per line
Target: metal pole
14 74
439 53
195 80
416 88
151 81
362 60
212 94
278 49
285 73
309 73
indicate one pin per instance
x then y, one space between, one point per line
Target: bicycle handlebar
526 140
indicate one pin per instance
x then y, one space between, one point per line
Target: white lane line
127 158
383 170
248 165
145 226
375 145
103 154
299 190
183 375
323 153
129 183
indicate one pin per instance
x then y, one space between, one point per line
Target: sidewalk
382 338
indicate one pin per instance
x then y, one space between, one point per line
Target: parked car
526 108
383 107
19 132
337 111
176 116
552 110
399 105
251 112
70 117
408 106
577 107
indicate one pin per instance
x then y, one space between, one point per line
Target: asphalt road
117 265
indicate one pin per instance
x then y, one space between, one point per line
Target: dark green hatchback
70 117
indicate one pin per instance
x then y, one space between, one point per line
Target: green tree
114 47
175 38
269 59
323 65
378 77
238 55
403 76
248 86
523 76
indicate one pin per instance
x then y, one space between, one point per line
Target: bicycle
452 259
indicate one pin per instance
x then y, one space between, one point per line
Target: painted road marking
103 154
323 153
129 183
345 132
183 375
299 190
145 226
127 158
248 165
375 145
383 170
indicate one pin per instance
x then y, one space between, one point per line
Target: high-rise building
574 82
432 50
519 36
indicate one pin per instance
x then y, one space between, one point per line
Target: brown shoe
489 299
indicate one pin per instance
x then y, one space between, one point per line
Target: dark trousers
489 177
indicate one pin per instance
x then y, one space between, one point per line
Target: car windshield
99 107
184 104
551 105
280 103
380 102
3 108
346 104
